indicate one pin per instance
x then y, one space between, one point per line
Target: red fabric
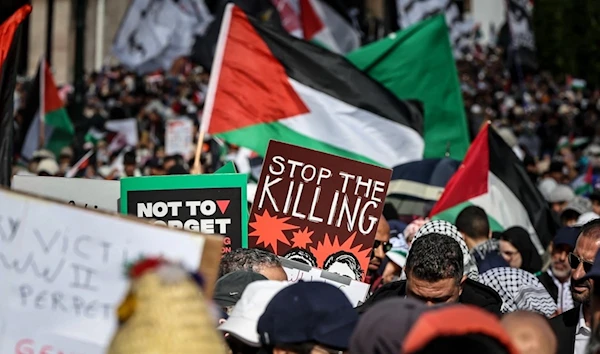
8 28
52 101
311 23
471 179
253 86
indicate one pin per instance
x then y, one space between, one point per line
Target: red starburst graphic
302 238
328 246
269 229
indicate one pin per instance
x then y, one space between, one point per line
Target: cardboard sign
87 193
211 204
62 270
179 137
323 206
227 168
354 290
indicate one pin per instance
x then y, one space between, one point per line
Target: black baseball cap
595 195
229 288
308 312
566 236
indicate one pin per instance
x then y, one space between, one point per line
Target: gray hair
247 259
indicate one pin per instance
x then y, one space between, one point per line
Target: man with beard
593 346
572 328
557 279
380 247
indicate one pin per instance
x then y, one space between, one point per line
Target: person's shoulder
396 288
481 295
566 319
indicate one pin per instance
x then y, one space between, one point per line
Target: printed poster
318 208
179 137
210 204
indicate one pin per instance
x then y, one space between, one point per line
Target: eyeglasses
574 261
386 245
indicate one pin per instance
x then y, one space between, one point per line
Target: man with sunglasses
573 328
380 247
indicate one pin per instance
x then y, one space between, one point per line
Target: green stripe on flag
62 130
451 214
256 138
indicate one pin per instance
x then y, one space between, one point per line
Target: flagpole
42 125
197 168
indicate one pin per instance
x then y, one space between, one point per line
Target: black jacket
564 327
474 293
548 283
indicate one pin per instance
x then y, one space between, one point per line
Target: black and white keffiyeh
447 229
519 290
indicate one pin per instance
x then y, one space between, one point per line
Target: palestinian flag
81 165
493 178
268 85
47 123
322 25
12 15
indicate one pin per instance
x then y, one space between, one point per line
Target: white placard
62 271
179 137
355 291
89 193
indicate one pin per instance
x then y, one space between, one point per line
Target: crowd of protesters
507 297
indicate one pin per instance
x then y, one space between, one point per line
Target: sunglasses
575 261
386 245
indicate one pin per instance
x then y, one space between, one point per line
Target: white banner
62 271
179 137
355 291
87 193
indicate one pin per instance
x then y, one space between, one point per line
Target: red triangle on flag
252 86
311 23
471 179
52 101
223 204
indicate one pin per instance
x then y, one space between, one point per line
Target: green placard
227 168
215 203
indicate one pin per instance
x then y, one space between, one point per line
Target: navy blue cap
308 312
595 271
566 236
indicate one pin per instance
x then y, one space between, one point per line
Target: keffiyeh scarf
519 290
447 229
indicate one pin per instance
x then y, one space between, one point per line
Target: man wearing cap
229 288
576 207
557 279
307 317
573 328
560 197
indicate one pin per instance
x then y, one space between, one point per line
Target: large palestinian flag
267 85
493 178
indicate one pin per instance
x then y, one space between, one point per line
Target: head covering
561 193
308 312
244 318
566 236
452 321
579 205
49 166
445 228
586 217
383 328
519 290
165 312
546 186
229 288
520 239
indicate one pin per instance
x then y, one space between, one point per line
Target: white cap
49 166
244 318
586 217
561 193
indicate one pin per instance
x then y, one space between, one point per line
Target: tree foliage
568 37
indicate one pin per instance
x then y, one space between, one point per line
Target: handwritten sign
354 290
179 137
62 271
87 193
211 204
325 205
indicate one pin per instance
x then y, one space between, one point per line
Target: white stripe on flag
73 170
502 205
32 139
352 129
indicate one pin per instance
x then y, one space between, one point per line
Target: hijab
520 239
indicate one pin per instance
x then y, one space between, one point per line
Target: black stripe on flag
32 106
327 72
510 170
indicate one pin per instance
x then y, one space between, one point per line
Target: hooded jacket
473 293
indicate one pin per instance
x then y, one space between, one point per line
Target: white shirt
564 300
582 334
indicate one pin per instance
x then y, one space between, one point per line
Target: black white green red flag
268 85
493 178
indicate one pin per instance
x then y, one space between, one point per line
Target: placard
355 291
325 205
211 204
62 270
88 193
179 137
